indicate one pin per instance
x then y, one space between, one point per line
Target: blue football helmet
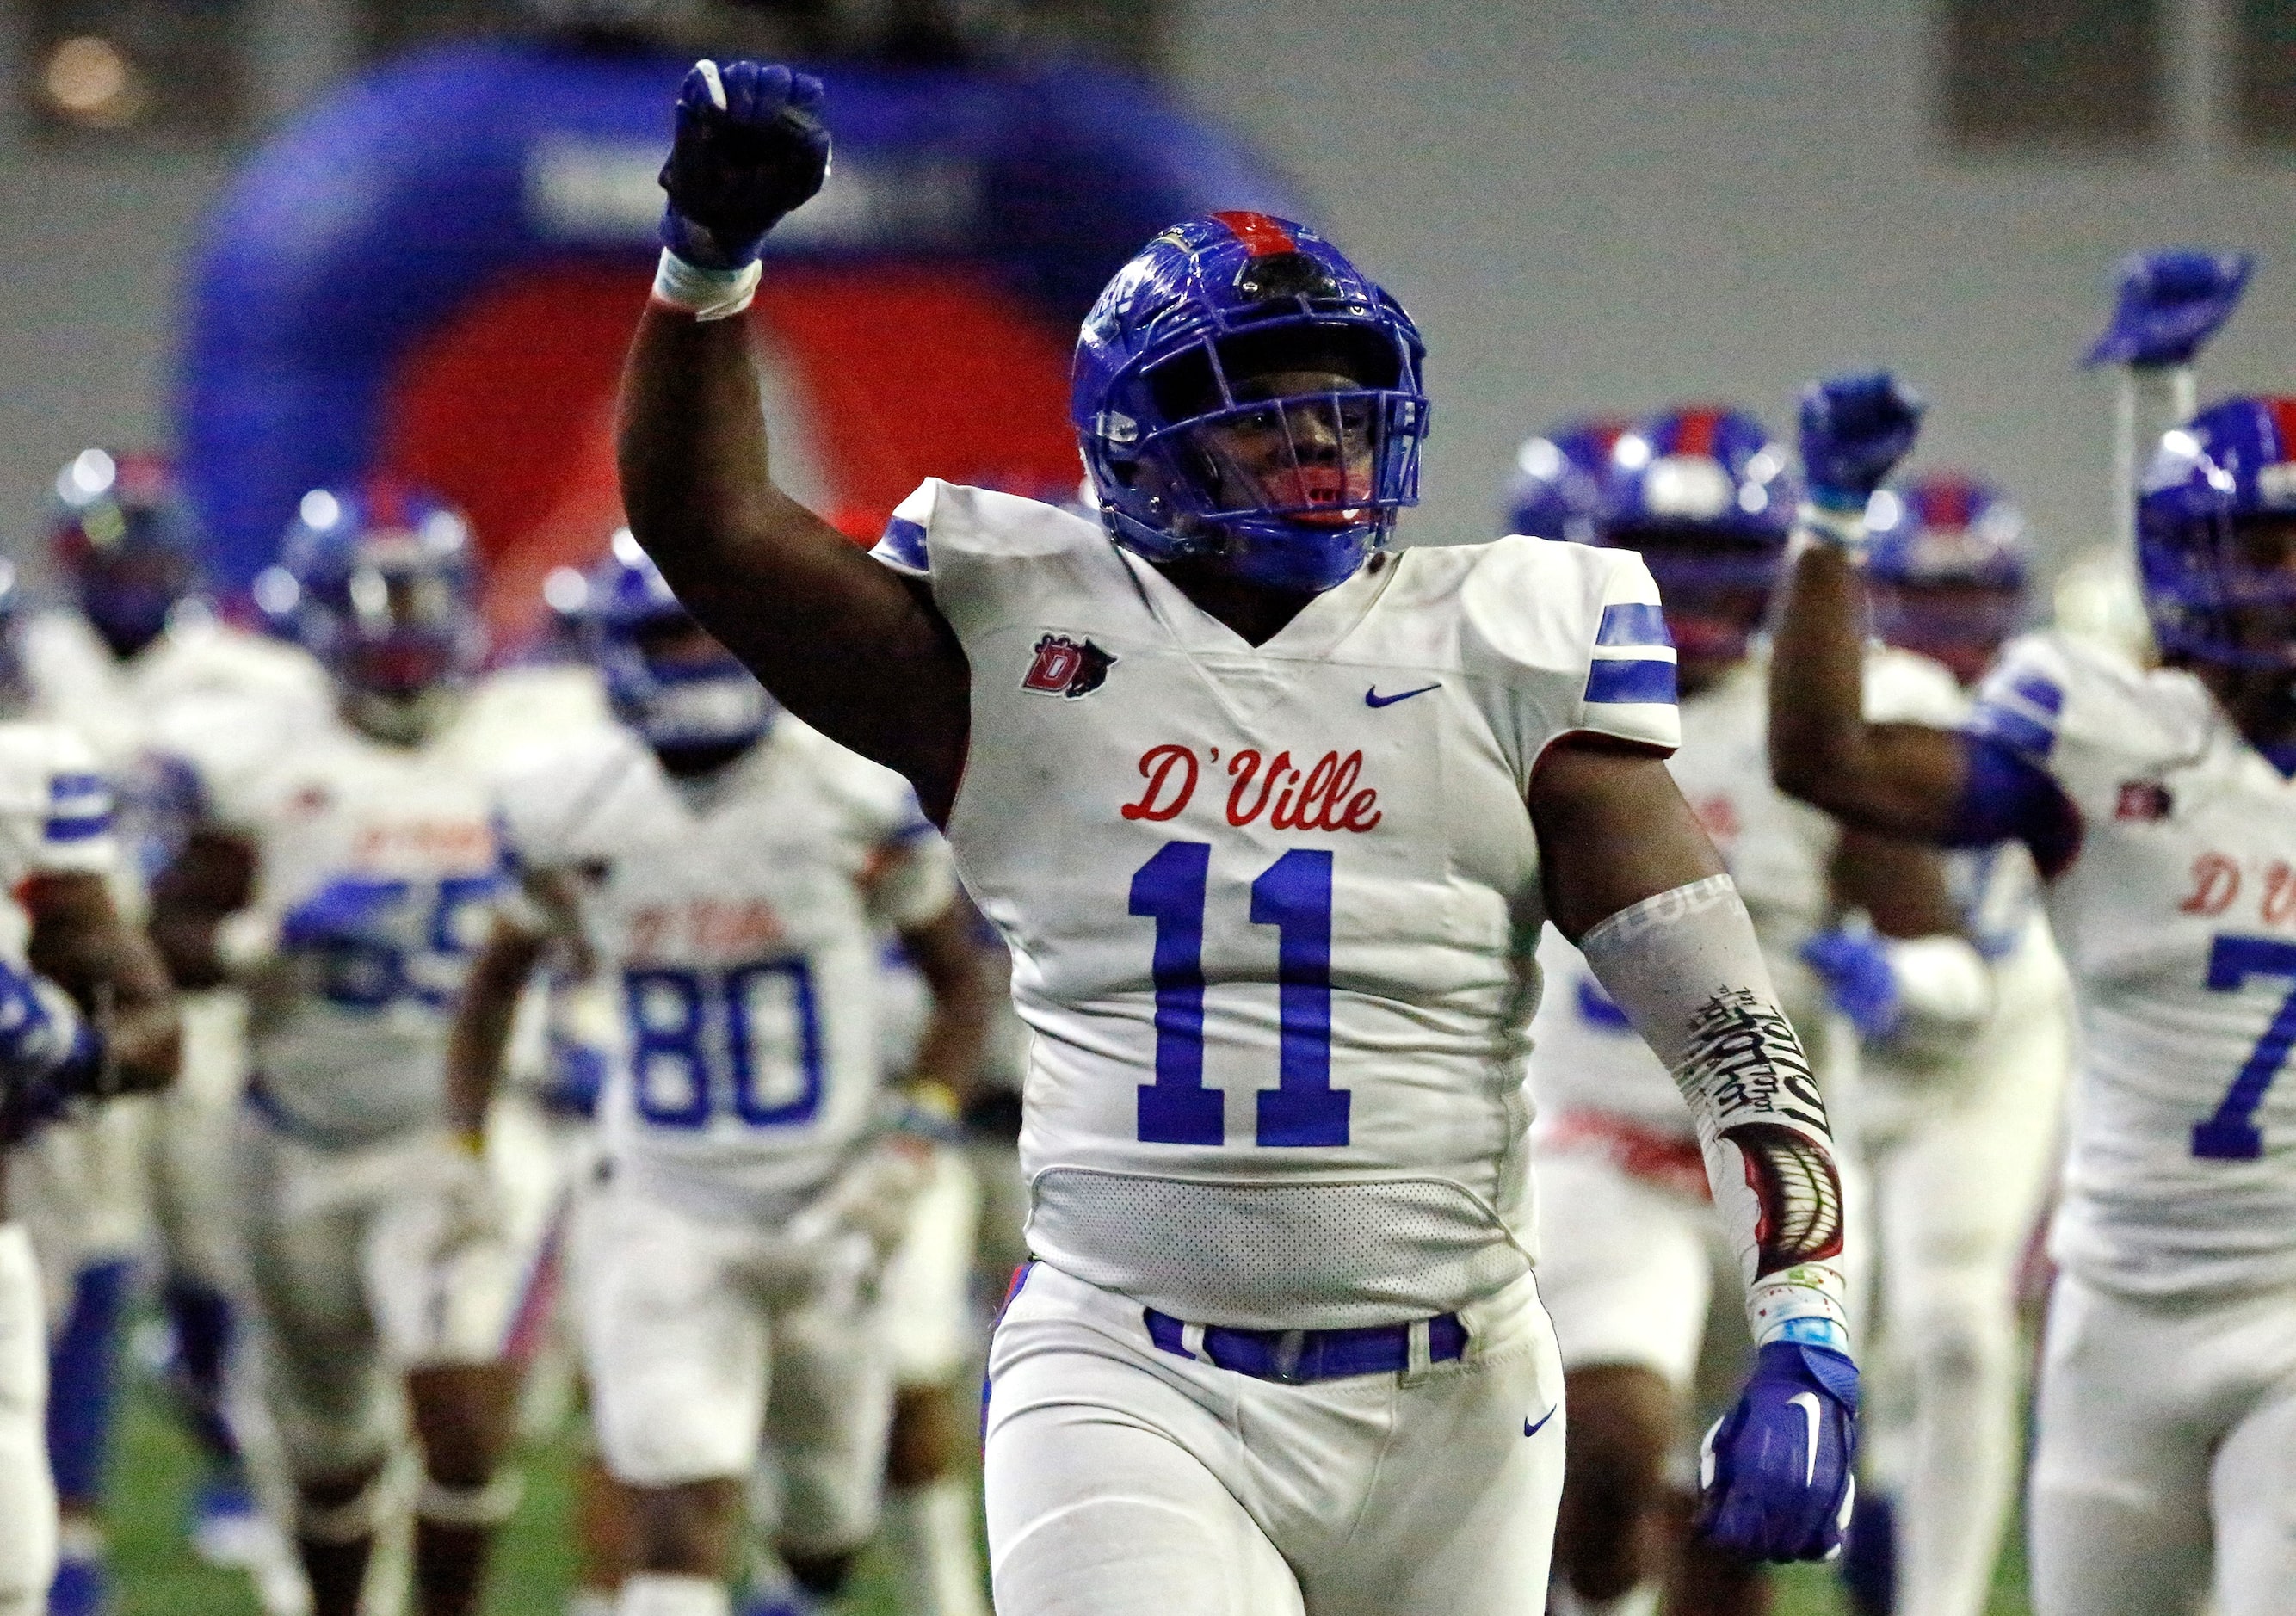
378 581
1704 494
127 540
1556 491
1947 568
694 702
1195 443
2231 466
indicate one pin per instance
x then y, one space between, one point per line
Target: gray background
1587 205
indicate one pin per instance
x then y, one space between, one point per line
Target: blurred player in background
1281 1349
344 878
134 661
85 1013
2158 808
1629 1244
1959 1133
728 870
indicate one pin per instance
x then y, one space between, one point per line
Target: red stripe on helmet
1951 503
1695 431
2284 425
1259 233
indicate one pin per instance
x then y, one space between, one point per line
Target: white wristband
245 939
706 294
1840 529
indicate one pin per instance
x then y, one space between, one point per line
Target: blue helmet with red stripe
378 581
1240 390
1705 495
125 536
1947 567
2214 594
687 697
1556 491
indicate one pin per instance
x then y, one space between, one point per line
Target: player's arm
851 647
209 880
1911 981
81 943
956 1029
539 913
1633 880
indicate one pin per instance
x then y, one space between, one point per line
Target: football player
1260 806
1629 1243
1959 1134
2156 805
130 659
727 869
1556 491
85 1012
344 878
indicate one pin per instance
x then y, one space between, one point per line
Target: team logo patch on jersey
1063 667
2143 801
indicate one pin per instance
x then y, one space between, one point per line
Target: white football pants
2167 1455
27 1498
1126 1481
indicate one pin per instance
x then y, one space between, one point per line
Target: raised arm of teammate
82 943
845 643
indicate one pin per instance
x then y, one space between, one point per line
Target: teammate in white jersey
345 879
2158 808
1261 808
729 870
1960 1136
138 665
85 1012
1629 1241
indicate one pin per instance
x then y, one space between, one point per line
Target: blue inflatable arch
435 271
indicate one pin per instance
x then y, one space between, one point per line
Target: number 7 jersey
2177 916
1263 902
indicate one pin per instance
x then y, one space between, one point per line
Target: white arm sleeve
1685 969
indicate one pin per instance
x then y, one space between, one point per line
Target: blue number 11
1294 896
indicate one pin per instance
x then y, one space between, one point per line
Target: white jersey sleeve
1264 901
2177 920
55 807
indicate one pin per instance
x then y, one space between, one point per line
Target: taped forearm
1686 970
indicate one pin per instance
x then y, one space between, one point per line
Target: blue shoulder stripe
2022 717
1636 680
904 545
1633 623
83 828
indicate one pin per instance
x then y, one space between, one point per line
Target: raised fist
1775 1479
1853 429
2171 300
751 146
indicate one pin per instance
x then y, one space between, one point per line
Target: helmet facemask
689 698
405 646
1716 588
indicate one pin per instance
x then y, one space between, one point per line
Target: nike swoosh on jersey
1531 1430
1371 698
1807 1401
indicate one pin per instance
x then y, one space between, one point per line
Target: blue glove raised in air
2171 300
1855 967
345 912
750 146
1853 429
1775 1479
49 1055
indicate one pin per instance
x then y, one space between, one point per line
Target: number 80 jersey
1262 902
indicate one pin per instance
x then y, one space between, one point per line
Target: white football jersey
55 818
738 918
1263 902
359 1051
2177 920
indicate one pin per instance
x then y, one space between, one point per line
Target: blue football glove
49 1055
1853 429
1775 1479
1855 967
2170 302
749 147
345 912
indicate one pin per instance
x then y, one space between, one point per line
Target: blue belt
1296 1355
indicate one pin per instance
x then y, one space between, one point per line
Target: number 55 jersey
2173 899
1263 901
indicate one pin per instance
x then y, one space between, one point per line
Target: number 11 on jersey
1294 896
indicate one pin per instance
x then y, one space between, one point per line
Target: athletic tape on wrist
245 939
1838 528
346 1522
706 294
1685 968
489 1505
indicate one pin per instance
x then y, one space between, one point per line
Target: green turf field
159 1576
